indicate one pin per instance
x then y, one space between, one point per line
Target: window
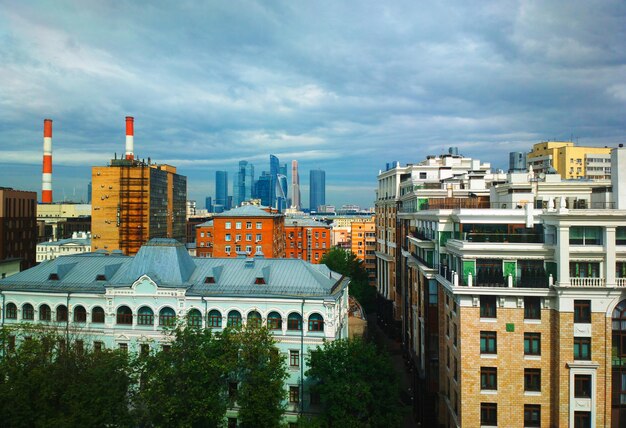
232 422
532 308
532 415
248 225
582 348
258 237
455 334
248 248
167 317
11 342
294 394
238 225
166 348
227 225
532 343
259 249
234 319
11 311
620 235
28 312
489 414
488 378
582 386
488 344
227 249
80 314
294 321
585 235
45 314
422 175
582 419
123 347
316 322
584 269
97 315
144 350
227 237
294 358
145 316
254 319
237 237
124 315
215 319
248 237
274 321
259 225
98 346
532 380
194 318
61 313
582 311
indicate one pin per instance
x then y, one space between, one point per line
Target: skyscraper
245 182
295 185
221 188
208 204
274 171
317 189
262 189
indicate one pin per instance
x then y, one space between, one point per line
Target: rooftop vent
101 277
259 280
53 276
249 263
209 280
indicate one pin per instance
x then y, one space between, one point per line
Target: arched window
294 321
254 319
61 313
194 318
274 321
316 322
145 316
11 311
167 317
45 314
215 319
124 315
234 319
80 314
28 312
97 315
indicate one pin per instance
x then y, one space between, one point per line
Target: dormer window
53 276
209 280
260 280
101 277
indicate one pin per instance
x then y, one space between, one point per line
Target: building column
562 254
609 260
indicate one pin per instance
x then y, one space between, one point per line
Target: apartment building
306 239
18 227
571 161
363 245
514 314
245 230
80 242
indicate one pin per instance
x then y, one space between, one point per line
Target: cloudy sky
345 86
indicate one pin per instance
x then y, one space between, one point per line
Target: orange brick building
363 245
245 230
306 239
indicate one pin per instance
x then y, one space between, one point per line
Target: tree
186 385
356 384
261 371
346 263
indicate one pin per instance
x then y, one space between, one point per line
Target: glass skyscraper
221 188
317 189
244 185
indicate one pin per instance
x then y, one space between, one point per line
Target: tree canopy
356 384
346 263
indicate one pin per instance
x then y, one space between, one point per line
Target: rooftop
247 211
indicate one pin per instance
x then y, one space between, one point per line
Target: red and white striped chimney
130 133
46 180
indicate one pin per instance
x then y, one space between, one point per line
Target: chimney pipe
46 179
130 133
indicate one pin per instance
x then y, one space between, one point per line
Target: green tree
346 263
356 384
261 371
187 385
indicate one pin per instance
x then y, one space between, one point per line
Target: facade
134 202
77 244
246 230
221 189
61 220
571 161
363 245
306 239
115 301
317 189
18 226
245 183
295 186
262 189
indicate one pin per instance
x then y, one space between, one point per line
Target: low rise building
78 243
306 239
363 245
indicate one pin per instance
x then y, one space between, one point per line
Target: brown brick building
18 226
306 239
245 230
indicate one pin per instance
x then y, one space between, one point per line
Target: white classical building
116 301
80 242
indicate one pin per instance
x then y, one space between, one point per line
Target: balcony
621 282
515 238
588 282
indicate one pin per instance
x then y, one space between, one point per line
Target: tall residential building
363 245
18 226
136 201
317 189
571 161
306 239
221 188
295 186
246 230
245 183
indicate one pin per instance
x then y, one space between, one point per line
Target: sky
345 86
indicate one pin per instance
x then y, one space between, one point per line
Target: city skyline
335 87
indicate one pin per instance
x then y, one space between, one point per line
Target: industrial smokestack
130 133
46 179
